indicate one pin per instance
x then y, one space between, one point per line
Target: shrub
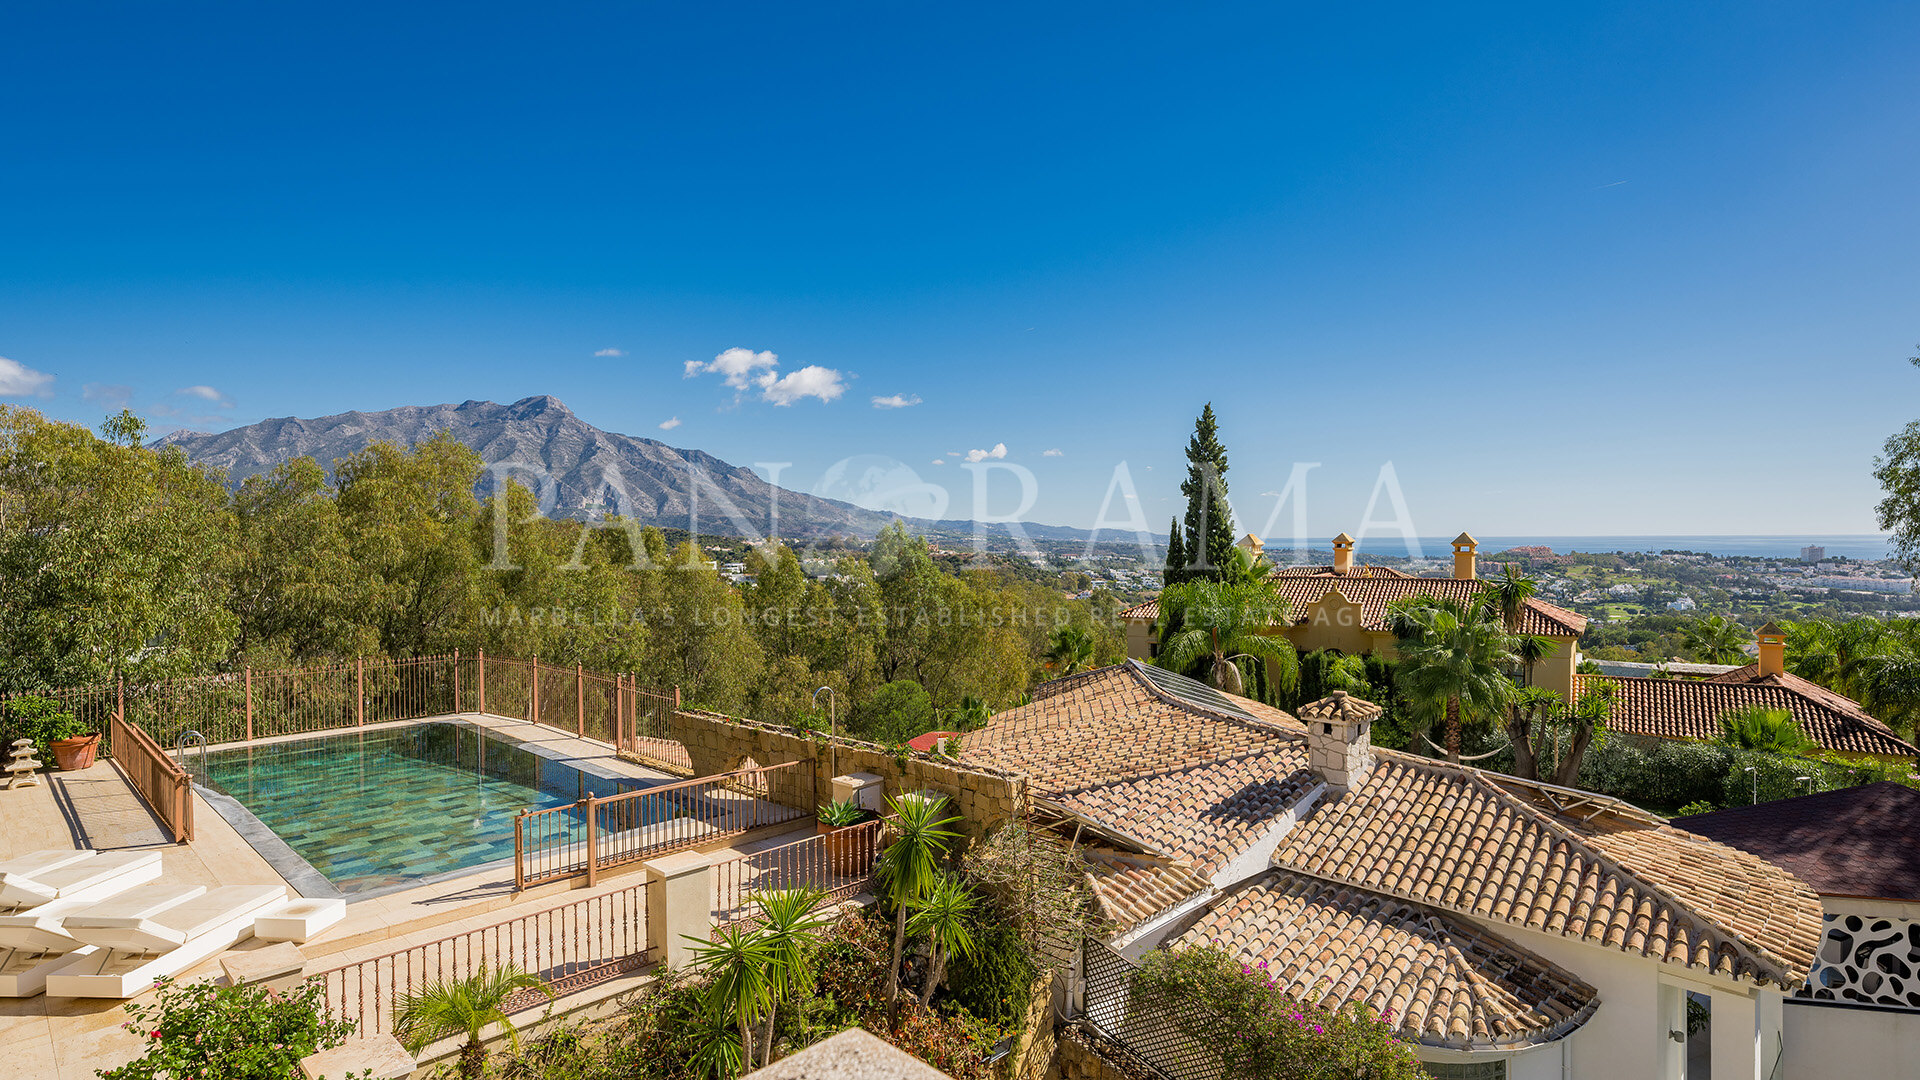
896 712
996 982
1258 1031
41 719
232 1032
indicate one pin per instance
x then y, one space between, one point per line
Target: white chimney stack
1340 739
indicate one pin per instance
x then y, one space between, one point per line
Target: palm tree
1508 596
1756 727
1716 639
1531 649
1455 664
1072 650
739 963
790 925
463 1006
909 868
1217 622
943 917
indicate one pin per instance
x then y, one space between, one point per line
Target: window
1466 1070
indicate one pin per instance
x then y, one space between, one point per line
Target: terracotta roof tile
1692 708
1446 982
1132 888
1482 844
1362 571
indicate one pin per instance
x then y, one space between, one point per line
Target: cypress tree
1176 568
1209 540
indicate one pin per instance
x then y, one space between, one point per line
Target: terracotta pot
851 852
73 755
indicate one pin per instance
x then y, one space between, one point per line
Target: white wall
1825 1041
1533 1063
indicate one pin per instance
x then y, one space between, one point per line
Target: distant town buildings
1812 553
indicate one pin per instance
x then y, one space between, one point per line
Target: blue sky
1572 270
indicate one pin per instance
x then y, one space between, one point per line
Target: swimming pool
384 809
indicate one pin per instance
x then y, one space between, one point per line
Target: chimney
1773 649
1340 739
1252 546
1343 554
1463 547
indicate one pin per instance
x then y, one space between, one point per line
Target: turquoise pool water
386 808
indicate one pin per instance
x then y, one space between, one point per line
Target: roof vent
1340 739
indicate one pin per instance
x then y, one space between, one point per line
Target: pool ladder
180 744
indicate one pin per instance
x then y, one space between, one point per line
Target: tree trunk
746 1046
1520 734
1453 730
1568 774
899 951
473 1059
936 971
766 1039
1226 675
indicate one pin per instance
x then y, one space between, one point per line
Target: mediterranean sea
1853 546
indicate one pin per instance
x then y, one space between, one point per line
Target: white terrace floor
69 1038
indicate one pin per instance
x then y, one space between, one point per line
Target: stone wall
1082 1054
1032 1056
716 743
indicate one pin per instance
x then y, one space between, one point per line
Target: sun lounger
35 942
134 950
91 876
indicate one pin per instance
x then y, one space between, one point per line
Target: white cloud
896 401
206 393
939 461
810 381
19 380
611 352
1053 453
999 451
744 370
669 425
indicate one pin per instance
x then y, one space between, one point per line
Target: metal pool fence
585 838
571 948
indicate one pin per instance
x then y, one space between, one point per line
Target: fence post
591 805
120 700
536 688
483 682
519 846
359 692
676 699
579 699
619 712
249 703
679 905
456 680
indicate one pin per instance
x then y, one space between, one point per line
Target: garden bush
1666 774
229 1032
1261 1033
996 982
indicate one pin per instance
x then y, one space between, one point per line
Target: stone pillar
1743 1048
679 902
864 789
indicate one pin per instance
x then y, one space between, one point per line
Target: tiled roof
1451 837
1132 888
1446 982
1206 813
1692 708
1374 594
1116 723
1856 841
1328 571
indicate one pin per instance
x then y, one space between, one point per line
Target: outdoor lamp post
1809 781
833 728
1756 783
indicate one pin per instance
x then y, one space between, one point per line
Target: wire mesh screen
1150 1035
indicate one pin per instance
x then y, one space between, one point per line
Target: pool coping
306 880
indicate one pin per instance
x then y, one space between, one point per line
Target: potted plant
852 853
53 729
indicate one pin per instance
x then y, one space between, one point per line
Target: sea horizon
1866 546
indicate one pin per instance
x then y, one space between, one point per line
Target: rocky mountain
577 469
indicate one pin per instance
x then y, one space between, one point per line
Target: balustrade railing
586 838
838 862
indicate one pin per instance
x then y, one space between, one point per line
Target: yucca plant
1756 727
464 1007
909 869
738 963
943 916
790 924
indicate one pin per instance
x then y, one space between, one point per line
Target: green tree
1897 468
292 579
791 922
1175 568
1208 536
1509 594
464 1007
1454 664
910 867
1716 639
1072 650
1214 623
739 965
896 712
1756 727
944 916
